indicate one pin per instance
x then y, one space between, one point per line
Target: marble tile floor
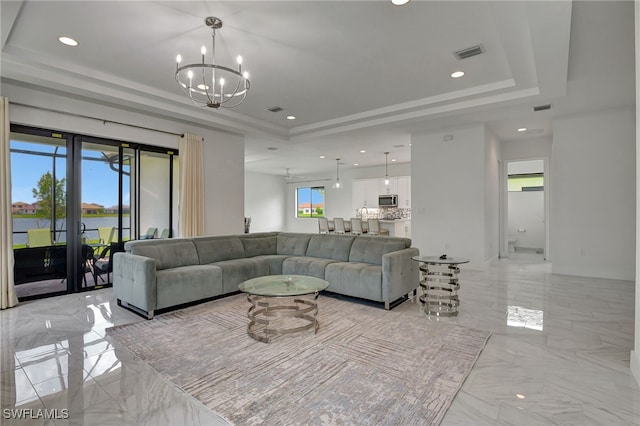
559 354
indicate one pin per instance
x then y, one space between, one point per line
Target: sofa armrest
134 280
399 274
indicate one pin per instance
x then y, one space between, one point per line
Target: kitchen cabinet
392 188
397 228
404 192
364 193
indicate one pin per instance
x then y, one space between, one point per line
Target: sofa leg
145 314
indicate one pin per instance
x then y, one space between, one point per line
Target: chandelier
210 84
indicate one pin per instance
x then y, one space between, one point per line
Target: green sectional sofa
153 275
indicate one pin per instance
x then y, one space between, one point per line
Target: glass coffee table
277 306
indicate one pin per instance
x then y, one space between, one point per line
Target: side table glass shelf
439 284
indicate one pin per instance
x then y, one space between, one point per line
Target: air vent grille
275 109
469 52
541 107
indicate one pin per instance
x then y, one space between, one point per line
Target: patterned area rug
364 366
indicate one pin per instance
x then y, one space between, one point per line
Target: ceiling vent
541 107
469 52
275 109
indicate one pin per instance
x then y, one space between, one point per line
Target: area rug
365 366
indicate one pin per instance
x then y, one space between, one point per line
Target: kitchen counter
397 227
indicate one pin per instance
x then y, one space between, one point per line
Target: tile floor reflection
570 366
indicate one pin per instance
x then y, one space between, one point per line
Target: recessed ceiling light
322 156
522 129
400 2
291 117
520 396
457 74
356 164
67 40
362 151
393 159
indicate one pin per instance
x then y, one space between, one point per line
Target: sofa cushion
362 280
215 249
235 271
187 284
303 265
369 249
274 261
169 254
259 245
293 244
328 246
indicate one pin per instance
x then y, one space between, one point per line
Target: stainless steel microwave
388 200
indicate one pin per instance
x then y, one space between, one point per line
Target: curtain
191 206
8 296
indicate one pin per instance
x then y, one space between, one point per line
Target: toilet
512 244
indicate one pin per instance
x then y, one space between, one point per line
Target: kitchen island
397 227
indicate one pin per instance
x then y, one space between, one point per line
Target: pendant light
386 168
337 184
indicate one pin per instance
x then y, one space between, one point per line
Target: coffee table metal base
265 316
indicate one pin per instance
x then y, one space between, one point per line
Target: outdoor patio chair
150 234
39 237
164 233
106 234
103 263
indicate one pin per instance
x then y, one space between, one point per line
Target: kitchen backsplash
383 213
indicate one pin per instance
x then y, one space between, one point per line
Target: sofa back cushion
367 249
215 249
259 244
167 253
330 246
293 244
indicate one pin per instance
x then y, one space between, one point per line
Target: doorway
76 200
525 225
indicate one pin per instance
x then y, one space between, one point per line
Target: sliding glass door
77 199
39 211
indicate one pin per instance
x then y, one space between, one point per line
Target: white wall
448 193
635 353
593 195
526 149
224 152
526 219
492 197
265 202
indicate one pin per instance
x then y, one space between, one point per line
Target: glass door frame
74 142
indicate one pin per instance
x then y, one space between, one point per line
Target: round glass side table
439 284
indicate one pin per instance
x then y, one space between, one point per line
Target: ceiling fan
289 176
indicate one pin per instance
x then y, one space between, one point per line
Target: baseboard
634 363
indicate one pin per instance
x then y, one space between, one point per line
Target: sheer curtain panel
8 296
191 207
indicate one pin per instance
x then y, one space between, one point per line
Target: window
526 182
310 202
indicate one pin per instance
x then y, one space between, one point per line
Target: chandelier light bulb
245 75
239 59
178 59
190 74
203 50
222 82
